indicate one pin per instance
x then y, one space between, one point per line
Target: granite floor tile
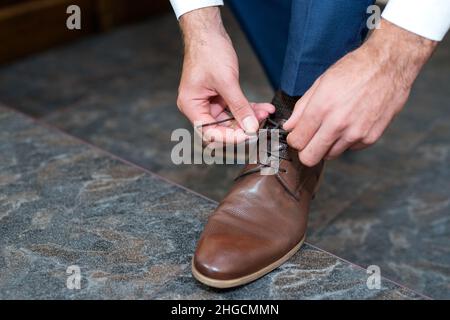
400 221
64 203
402 224
118 91
310 274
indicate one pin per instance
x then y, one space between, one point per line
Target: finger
200 116
304 131
268 107
217 106
230 123
262 110
358 146
239 106
338 148
300 107
374 133
199 112
224 135
261 115
318 147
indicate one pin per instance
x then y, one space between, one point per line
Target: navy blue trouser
297 40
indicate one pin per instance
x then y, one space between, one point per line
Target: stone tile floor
388 205
132 234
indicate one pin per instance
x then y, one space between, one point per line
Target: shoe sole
222 284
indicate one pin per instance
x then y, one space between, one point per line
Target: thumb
239 106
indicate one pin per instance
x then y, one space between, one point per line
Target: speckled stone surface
118 91
401 220
132 234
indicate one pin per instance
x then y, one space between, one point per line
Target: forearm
401 50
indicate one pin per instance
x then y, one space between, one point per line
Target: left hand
353 102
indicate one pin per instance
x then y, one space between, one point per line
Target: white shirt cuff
427 18
182 6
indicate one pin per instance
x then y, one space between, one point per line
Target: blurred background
113 84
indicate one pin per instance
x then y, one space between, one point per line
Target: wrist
400 49
199 25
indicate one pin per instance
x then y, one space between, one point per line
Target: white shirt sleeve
427 18
182 6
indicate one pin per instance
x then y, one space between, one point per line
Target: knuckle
239 108
314 119
293 142
236 105
307 160
326 139
228 78
370 139
183 99
327 106
338 122
353 136
181 102
340 125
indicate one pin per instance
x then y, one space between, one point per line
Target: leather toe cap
230 256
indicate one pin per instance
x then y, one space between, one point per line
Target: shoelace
282 146
282 152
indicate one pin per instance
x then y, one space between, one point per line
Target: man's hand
210 80
353 102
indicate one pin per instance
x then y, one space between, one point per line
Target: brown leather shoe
260 224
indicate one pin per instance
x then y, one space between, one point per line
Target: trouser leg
320 33
266 25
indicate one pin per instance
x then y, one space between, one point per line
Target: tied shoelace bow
282 152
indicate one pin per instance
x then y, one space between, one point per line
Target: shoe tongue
284 105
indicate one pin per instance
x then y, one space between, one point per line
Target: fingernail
250 124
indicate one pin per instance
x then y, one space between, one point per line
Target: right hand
209 83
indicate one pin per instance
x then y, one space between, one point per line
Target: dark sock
284 105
